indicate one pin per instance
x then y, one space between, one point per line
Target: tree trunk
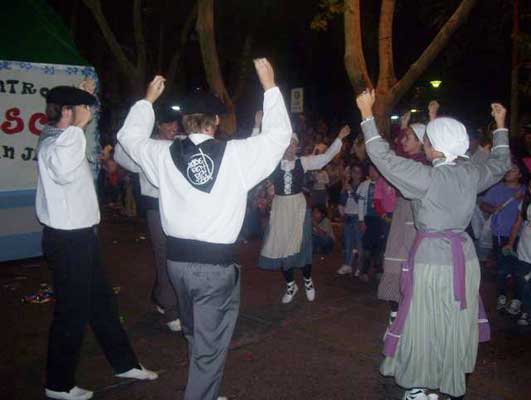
388 90
207 42
171 72
386 75
131 72
354 58
243 70
438 43
382 113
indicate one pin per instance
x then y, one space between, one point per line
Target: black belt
195 251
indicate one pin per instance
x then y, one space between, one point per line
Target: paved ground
329 349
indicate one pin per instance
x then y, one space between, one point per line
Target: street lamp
435 84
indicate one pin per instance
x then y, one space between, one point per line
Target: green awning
32 31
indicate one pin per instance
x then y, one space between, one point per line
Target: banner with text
23 87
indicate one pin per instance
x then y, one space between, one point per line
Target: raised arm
433 109
257 123
122 158
69 150
410 177
135 134
499 161
258 156
310 163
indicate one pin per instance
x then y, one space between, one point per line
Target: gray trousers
209 300
163 293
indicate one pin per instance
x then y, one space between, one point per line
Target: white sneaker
357 273
392 317
344 270
175 325
141 374
309 289
291 291
76 393
514 307
501 303
415 394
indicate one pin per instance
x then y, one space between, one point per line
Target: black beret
70 96
165 113
203 103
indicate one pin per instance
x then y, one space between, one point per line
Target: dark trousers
322 244
289 274
163 293
373 243
351 239
504 267
522 287
82 297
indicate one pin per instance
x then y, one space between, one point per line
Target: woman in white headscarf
402 231
433 342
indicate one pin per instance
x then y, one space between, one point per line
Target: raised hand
265 73
155 88
82 116
404 119
365 102
433 109
344 132
88 85
498 113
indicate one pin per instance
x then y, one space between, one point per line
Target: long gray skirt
439 343
288 238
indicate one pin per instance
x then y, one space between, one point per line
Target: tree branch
95 7
386 75
207 41
354 58
139 36
432 51
185 32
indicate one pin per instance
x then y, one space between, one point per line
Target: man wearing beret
67 206
203 185
163 293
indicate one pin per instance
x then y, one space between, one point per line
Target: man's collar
198 138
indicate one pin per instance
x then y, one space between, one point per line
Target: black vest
281 180
199 164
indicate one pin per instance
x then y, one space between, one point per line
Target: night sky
474 68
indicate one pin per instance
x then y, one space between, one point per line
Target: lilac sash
456 239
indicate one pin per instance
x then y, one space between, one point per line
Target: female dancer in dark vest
288 242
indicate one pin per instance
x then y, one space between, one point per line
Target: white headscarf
419 130
448 136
